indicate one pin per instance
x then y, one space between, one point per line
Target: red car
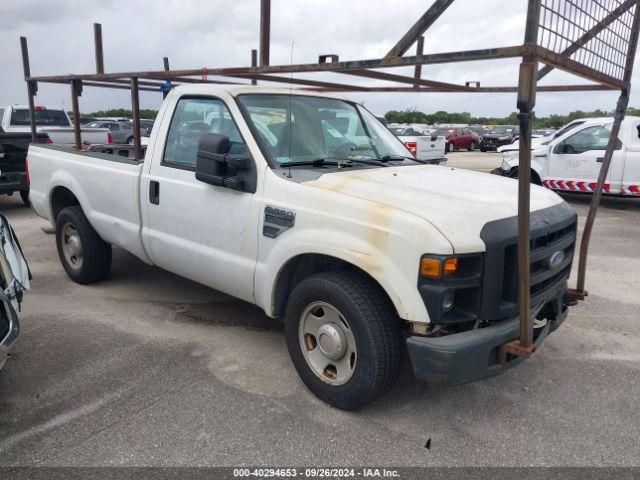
459 138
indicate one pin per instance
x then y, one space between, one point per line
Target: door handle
600 159
154 192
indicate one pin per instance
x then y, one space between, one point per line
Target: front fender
390 258
510 160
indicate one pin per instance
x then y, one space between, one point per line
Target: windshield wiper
319 162
393 158
340 162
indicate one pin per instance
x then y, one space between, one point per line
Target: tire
535 179
472 147
24 195
130 141
76 238
366 314
449 148
482 149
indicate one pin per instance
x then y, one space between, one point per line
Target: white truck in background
307 206
422 145
571 160
54 122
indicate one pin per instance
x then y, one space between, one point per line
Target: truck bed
106 185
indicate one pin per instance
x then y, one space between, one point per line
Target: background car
458 138
122 132
146 126
499 136
408 136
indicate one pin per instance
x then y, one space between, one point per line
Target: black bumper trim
12 182
472 355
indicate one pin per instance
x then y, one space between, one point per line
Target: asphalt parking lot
148 368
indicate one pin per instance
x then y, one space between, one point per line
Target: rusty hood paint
457 202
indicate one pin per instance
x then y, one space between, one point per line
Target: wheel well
303 266
61 198
535 178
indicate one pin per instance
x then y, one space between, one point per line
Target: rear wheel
84 255
472 147
24 195
449 147
342 335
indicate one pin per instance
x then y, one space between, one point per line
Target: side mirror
559 148
216 166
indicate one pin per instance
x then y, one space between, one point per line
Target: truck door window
193 118
591 138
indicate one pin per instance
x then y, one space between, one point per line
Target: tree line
120 112
442 117
413 116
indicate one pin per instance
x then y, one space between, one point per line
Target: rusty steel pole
254 63
526 104
97 40
265 31
135 109
417 74
165 62
32 88
76 91
621 109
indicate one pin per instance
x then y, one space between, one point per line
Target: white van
571 161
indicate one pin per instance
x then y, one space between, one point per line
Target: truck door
203 232
574 163
631 176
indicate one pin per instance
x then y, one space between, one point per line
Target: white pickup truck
423 146
55 123
307 206
571 160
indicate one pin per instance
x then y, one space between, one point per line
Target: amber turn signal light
430 267
450 267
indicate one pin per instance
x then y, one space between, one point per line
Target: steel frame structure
592 39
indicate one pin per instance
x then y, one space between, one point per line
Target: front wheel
84 255
535 179
343 338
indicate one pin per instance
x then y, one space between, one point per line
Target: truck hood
456 202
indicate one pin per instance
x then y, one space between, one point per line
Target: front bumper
9 330
12 182
493 143
473 355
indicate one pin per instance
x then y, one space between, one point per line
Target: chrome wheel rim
327 343
72 246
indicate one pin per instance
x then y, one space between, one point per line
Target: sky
221 33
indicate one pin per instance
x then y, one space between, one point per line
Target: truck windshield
51 118
305 129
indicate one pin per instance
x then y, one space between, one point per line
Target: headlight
433 267
450 286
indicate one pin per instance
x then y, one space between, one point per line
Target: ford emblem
556 259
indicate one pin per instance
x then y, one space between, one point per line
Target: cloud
220 33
